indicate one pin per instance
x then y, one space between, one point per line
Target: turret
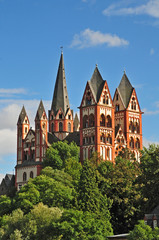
40 133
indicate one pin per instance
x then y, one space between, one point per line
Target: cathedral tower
97 119
23 127
40 133
60 115
128 115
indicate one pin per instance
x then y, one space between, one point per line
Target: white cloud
151 8
147 142
152 51
147 112
4 92
1 177
90 38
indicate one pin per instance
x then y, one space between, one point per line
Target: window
102 138
25 129
109 139
52 127
131 126
137 144
102 120
88 99
91 120
31 174
60 116
117 108
24 177
117 96
85 121
69 127
60 126
69 117
109 122
131 143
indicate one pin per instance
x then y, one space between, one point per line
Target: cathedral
105 125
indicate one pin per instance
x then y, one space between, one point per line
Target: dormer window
117 96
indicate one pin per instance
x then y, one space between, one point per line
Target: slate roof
73 137
28 163
22 116
40 110
96 84
60 97
125 88
52 138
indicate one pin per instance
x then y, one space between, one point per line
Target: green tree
89 197
119 183
150 177
5 205
142 231
59 152
79 225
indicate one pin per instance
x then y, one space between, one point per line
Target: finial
61 49
96 65
124 71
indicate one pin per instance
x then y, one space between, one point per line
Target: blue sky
116 35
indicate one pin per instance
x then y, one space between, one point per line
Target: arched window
69 127
117 108
137 144
131 143
102 138
60 126
131 127
31 174
88 99
102 120
52 127
24 177
91 120
109 139
109 121
85 121
108 153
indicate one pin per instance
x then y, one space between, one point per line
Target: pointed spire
60 97
125 88
96 83
76 123
22 115
40 110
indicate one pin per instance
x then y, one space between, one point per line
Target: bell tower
128 115
40 133
60 115
97 119
23 127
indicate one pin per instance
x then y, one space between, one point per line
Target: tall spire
60 97
125 88
40 110
22 115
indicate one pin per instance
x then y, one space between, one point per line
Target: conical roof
40 110
125 88
22 115
60 96
96 83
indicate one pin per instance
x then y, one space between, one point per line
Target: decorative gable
118 102
120 140
105 97
88 96
133 103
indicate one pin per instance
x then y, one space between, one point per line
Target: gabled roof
40 110
22 115
125 88
96 84
52 138
60 97
73 137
